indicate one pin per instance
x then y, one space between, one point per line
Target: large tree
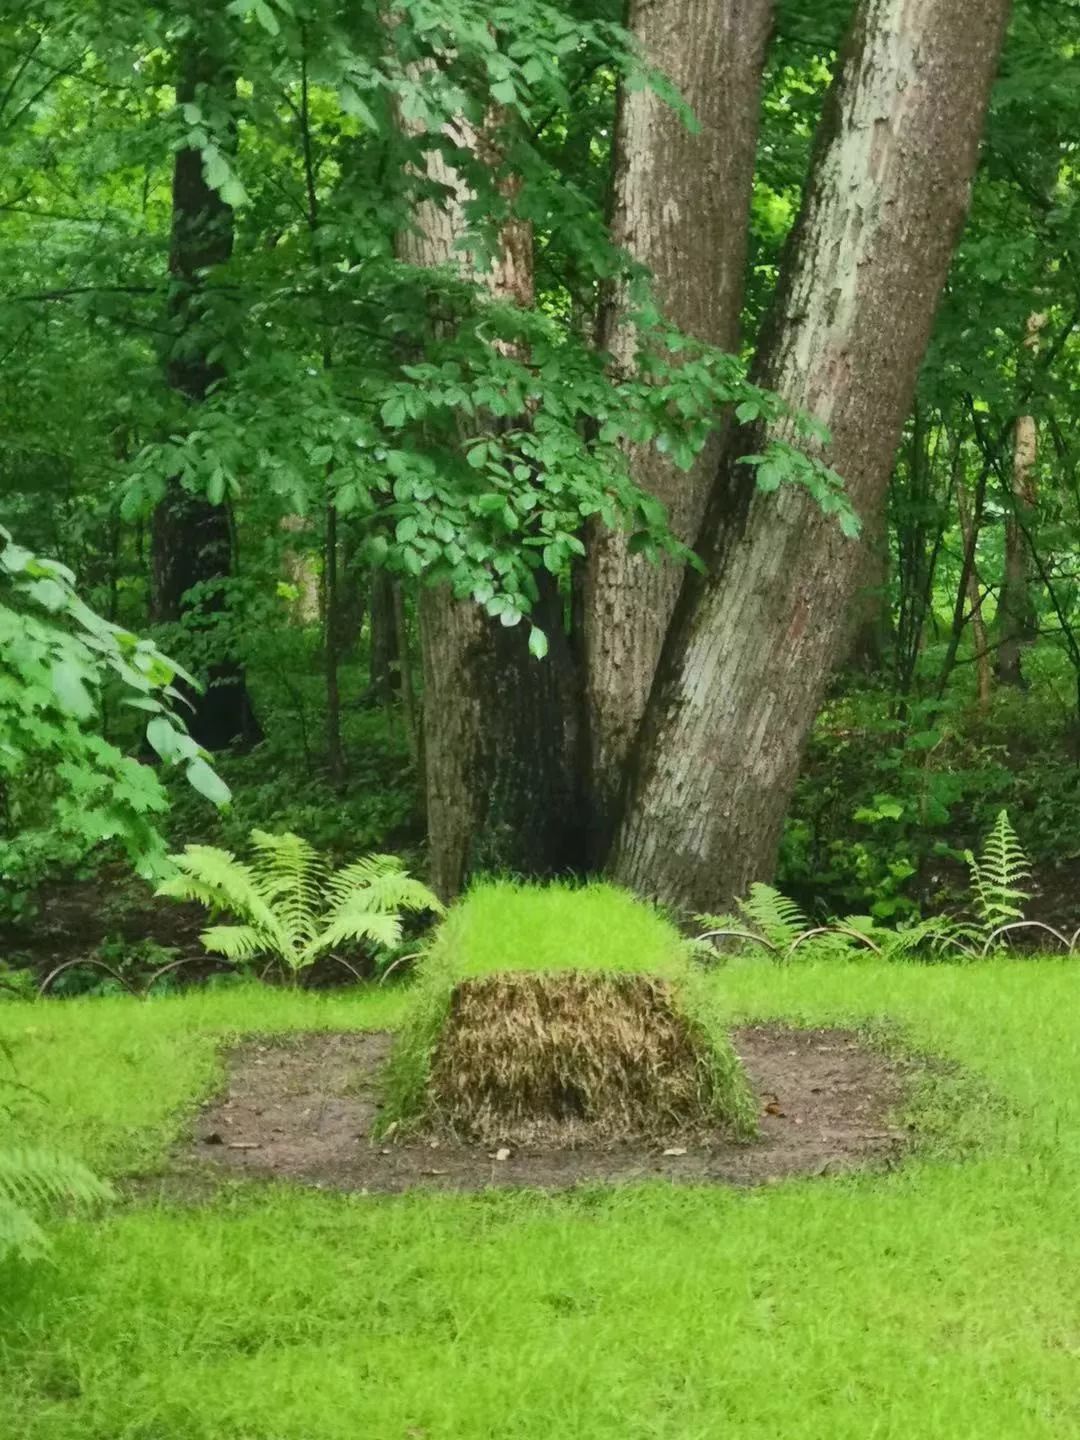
499 742
754 637
681 199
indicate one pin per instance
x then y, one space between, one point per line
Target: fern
779 919
30 1182
290 905
997 877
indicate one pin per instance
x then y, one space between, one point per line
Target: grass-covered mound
562 1013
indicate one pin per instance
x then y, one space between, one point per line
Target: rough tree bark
752 643
680 206
499 732
192 541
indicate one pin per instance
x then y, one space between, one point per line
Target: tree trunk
405 672
335 758
501 788
871 615
974 593
681 205
1016 613
499 732
192 541
753 641
301 569
383 673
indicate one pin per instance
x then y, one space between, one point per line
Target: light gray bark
681 205
753 642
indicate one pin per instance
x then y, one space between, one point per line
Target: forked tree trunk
192 540
753 642
499 739
681 205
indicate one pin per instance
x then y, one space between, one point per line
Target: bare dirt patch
303 1107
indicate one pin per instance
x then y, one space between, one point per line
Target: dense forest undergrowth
889 800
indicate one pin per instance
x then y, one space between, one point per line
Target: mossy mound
627 1043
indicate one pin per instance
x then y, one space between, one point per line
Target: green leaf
233 192
266 17
207 782
48 593
215 167
69 686
538 643
769 476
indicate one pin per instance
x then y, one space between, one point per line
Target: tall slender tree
192 549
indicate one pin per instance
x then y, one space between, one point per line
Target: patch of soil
303 1108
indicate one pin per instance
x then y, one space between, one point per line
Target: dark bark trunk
499 727
681 207
502 791
331 640
753 641
191 546
383 669
405 671
871 614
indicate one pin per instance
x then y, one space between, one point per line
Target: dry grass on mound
568 1056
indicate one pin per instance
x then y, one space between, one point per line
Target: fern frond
221 882
291 876
235 942
998 875
779 919
31 1180
353 921
20 1234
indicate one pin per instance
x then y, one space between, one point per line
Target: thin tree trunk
753 641
191 543
974 593
871 615
1016 609
681 205
331 640
382 672
405 673
299 563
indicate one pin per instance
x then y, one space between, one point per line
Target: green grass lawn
942 1300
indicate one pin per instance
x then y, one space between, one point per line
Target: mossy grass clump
562 1013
